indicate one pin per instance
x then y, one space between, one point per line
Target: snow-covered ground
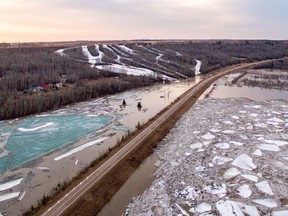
224 157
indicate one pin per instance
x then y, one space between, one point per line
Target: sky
70 20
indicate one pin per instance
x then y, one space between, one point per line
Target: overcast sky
62 20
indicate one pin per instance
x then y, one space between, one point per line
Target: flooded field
55 146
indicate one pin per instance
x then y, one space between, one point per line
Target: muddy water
142 177
135 185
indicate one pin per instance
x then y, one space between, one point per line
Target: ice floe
10 184
80 148
280 213
48 124
9 196
231 173
269 147
228 208
218 160
243 161
251 177
244 191
264 187
208 136
270 203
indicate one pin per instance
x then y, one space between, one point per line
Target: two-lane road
65 202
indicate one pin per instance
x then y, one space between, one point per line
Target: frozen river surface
231 160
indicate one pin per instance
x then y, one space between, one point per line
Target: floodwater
219 89
55 146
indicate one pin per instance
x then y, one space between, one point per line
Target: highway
65 202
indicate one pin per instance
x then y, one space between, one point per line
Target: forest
30 77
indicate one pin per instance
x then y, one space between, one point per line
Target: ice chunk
216 188
269 147
208 136
244 191
261 125
243 161
218 160
280 213
48 124
189 193
264 187
236 143
231 173
256 106
253 114
222 145
200 168
9 196
270 203
257 152
228 122
203 207
196 145
228 208
276 142
228 131
248 209
8 185
80 148
250 177
234 117
276 120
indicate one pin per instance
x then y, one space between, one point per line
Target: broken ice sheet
269 147
243 161
244 191
228 208
231 173
216 188
218 160
270 203
264 187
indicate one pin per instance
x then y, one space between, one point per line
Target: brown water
142 177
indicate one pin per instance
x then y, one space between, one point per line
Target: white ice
250 177
208 136
236 143
228 208
270 203
203 207
80 148
197 67
228 131
9 196
189 193
243 161
231 173
269 147
218 160
216 188
264 187
257 152
48 124
280 213
244 191
276 142
222 145
196 145
275 119
10 184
